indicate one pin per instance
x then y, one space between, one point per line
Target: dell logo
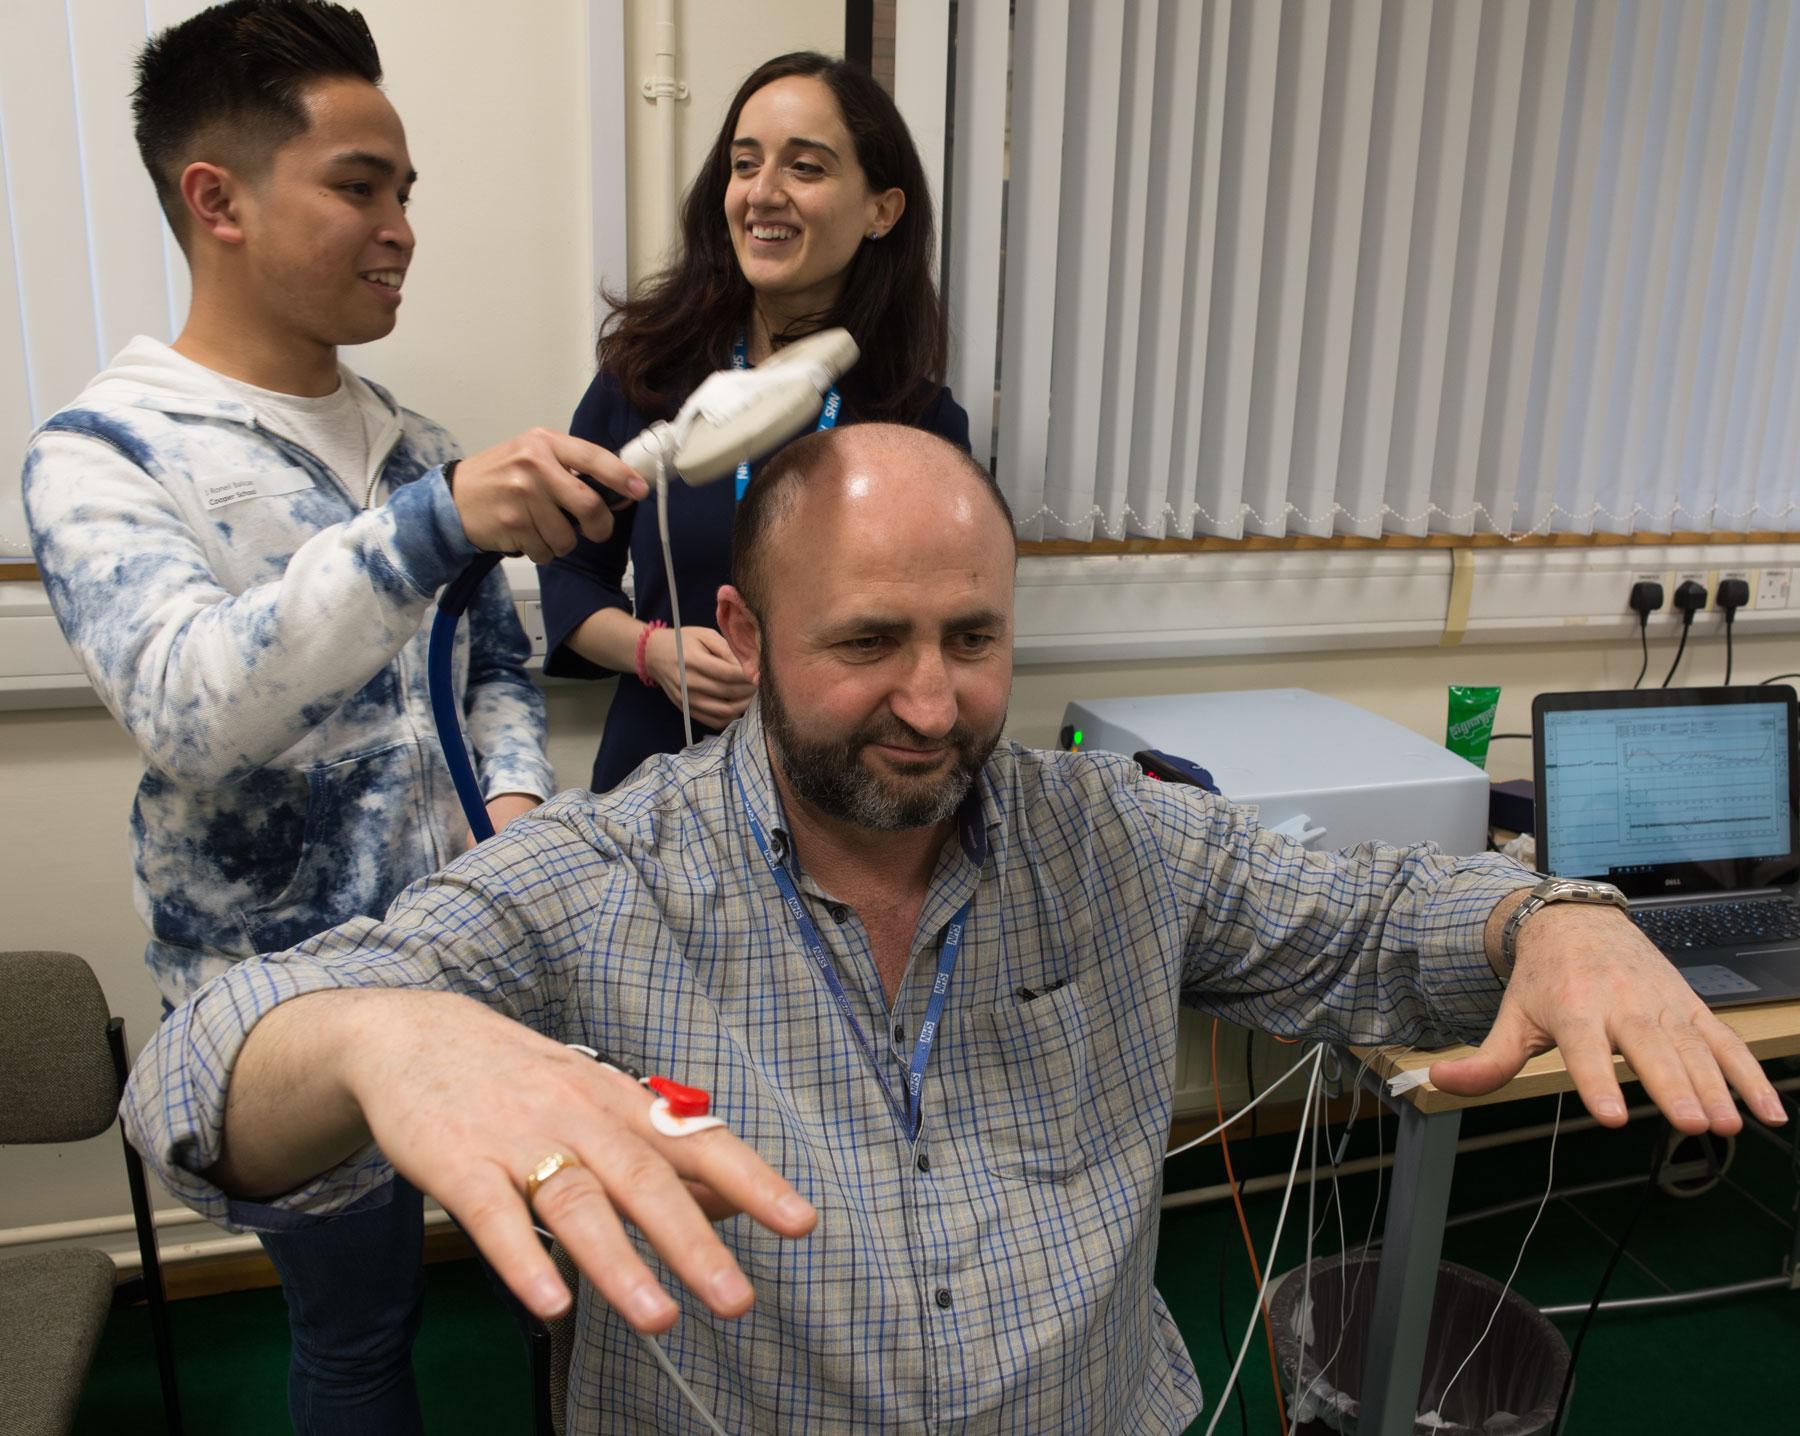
1671 882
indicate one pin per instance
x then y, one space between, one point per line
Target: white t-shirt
338 429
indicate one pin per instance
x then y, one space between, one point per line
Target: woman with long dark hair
811 212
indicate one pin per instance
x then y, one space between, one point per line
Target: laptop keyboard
1720 924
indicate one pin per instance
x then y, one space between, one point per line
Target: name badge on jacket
220 492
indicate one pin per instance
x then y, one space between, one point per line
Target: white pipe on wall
130 1263
94 1227
664 90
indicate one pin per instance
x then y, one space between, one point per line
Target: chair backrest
57 1079
562 1340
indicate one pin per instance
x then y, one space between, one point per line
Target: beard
829 773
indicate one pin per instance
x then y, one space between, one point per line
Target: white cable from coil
1317 1057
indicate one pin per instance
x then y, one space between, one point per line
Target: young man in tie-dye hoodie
241 539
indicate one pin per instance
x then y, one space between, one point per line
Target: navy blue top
643 721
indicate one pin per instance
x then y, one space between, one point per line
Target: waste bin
1510 1388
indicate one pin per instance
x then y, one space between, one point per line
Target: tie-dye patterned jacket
256 623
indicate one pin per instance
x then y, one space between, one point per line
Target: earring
874 234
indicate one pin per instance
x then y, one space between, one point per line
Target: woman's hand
718 689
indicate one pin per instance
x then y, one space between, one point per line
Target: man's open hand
530 494
465 1102
1588 982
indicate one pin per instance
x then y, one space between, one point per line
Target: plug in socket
1647 594
1733 575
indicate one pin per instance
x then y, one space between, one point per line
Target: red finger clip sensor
683 1101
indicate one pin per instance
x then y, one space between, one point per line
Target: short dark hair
233 77
776 489
663 340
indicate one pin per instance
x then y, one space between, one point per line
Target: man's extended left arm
1588 982
1380 944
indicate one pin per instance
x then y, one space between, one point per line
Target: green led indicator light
1078 737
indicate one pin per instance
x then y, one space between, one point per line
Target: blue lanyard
828 417
911 1118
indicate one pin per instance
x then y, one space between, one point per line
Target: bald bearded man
929 978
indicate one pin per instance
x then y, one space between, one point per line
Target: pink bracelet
643 642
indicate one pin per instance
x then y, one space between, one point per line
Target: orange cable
1244 1227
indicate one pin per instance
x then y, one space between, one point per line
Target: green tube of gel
1471 722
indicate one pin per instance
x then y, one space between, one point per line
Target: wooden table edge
1769 1030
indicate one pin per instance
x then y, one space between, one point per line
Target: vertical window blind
86 261
1234 267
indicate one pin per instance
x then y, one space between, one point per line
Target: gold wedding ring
544 1171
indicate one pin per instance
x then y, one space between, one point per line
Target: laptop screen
1690 790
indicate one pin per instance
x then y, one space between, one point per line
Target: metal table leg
1412 1241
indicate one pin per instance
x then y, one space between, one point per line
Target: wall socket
1772 587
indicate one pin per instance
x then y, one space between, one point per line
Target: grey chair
552 1345
62 1068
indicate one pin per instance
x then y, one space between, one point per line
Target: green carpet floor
1726 1366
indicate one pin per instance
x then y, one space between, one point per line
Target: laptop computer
1687 799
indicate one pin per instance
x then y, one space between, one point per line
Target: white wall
496 332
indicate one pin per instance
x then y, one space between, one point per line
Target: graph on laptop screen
1629 788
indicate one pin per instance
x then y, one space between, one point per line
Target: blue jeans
355 1288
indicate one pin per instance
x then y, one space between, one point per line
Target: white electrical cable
1315 1053
1322 1123
1318 1057
1315 1110
682 1386
662 1359
1346 1300
662 529
1337 1200
1549 1186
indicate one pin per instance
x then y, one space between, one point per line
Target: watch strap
1551 890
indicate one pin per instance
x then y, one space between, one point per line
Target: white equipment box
1313 766
1298 754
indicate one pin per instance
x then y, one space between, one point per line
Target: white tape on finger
665 1117
666 1122
1407 1081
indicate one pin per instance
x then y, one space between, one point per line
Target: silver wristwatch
1548 891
